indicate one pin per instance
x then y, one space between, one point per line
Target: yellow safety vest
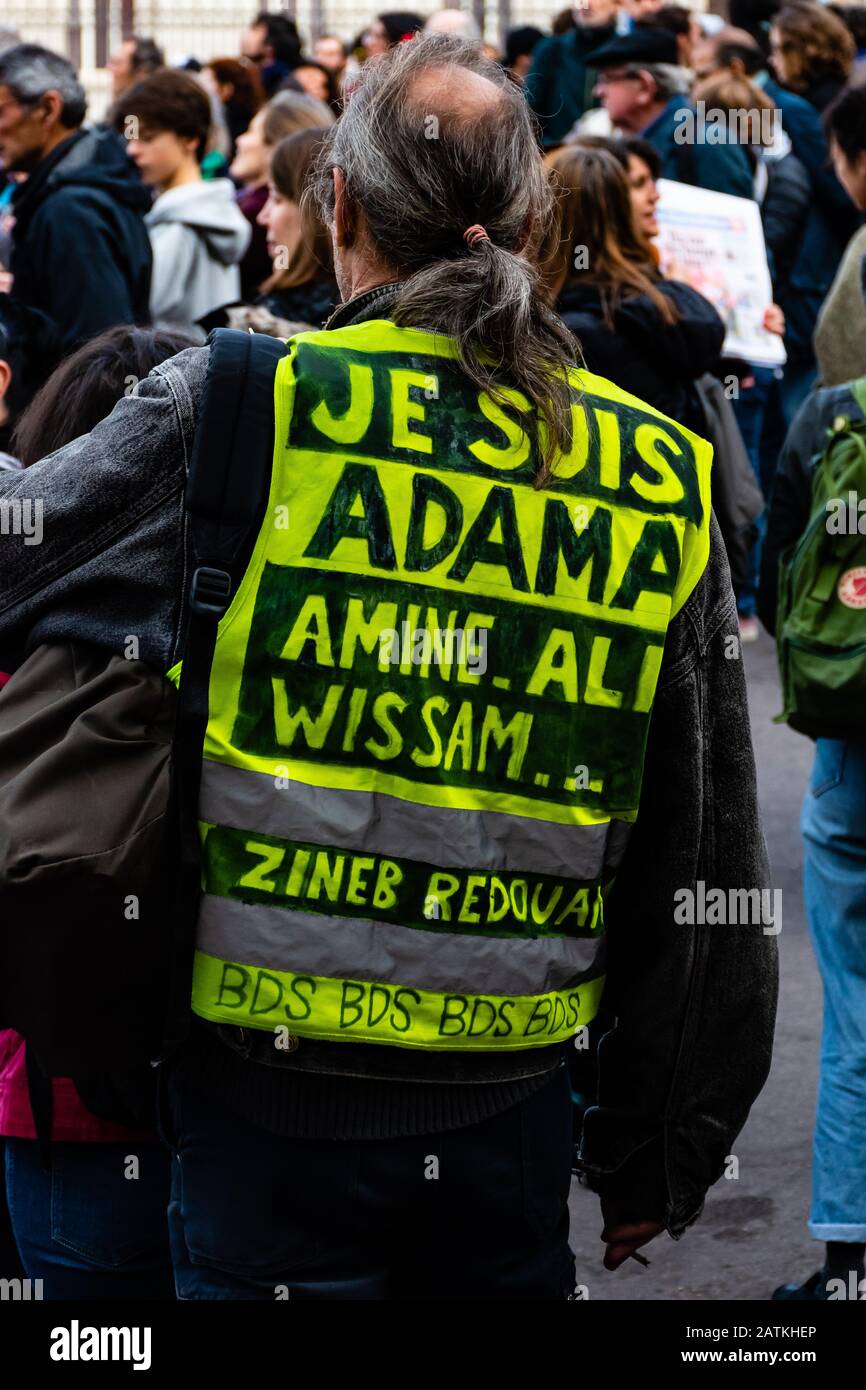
430 698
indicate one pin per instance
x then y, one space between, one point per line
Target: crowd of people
197 202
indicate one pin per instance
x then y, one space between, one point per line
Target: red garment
71 1121
255 266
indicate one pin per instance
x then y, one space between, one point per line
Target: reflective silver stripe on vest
358 949
375 823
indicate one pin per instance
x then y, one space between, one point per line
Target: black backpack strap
230 469
226 494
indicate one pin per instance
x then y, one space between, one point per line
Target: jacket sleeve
803 124
724 168
540 86
82 285
175 248
783 215
694 1003
109 559
686 348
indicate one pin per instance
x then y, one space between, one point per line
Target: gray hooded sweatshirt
198 235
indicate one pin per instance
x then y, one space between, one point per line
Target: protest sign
715 243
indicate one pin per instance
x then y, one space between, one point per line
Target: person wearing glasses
80 248
645 92
272 45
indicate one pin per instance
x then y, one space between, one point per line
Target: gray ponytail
422 173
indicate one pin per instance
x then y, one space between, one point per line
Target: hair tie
473 235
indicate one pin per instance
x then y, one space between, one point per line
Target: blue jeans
834 831
750 408
85 1228
798 379
474 1213
787 393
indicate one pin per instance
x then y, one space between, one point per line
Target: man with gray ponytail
431 141
473 731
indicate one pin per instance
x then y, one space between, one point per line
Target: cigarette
641 1259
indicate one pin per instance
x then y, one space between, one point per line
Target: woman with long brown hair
283 115
302 286
651 336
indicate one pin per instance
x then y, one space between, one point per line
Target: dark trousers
93 1225
474 1213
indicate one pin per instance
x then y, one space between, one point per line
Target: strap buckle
210 591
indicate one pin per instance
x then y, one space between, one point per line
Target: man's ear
649 86
344 213
52 107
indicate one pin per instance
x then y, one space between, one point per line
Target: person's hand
624 1237
774 319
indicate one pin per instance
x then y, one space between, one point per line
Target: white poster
715 243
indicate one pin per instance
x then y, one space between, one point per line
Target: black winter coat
311 303
785 210
641 353
831 223
81 251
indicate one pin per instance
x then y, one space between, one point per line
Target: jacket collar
372 304
29 193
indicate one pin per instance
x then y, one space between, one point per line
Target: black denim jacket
694 1004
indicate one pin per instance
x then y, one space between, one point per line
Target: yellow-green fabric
430 698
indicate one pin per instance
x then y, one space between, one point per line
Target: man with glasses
273 46
80 249
645 92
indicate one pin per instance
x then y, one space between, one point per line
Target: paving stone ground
752 1235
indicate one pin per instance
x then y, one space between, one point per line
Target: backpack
821 618
100 763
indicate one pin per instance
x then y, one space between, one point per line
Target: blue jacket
830 225
724 168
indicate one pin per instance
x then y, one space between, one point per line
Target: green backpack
821 620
